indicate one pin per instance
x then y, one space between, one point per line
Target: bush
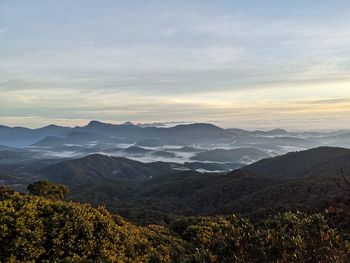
48 189
37 229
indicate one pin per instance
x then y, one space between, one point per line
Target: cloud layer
250 65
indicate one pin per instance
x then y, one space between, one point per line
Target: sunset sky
247 64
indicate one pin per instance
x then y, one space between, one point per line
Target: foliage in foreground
48 189
36 229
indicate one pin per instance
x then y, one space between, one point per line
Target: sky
248 64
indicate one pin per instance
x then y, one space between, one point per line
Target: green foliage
285 238
296 237
48 189
37 229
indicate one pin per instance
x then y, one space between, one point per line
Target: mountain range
155 174
202 145
155 192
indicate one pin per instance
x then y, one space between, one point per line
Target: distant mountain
237 131
50 141
71 138
128 123
144 136
196 132
179 134
21 137
274 132
136 150
233 155
108 129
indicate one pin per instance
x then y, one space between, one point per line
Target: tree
48 189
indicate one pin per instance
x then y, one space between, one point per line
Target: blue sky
249 64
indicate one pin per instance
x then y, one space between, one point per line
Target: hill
157 192
321 161
101 168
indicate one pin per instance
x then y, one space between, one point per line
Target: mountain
178 134
107 129
274 132
128 123
72 138
233 155
49 141
142 192
145 136
154 192
314 162
21 137
287 182
136 150
96 167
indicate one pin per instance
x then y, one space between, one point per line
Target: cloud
331 101
165 60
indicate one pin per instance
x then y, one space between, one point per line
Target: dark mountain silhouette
314 162
104 169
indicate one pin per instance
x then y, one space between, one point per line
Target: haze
261 64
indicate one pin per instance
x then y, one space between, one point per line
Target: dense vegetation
48 189
45 229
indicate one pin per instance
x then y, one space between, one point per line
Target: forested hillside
46 229
159 192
